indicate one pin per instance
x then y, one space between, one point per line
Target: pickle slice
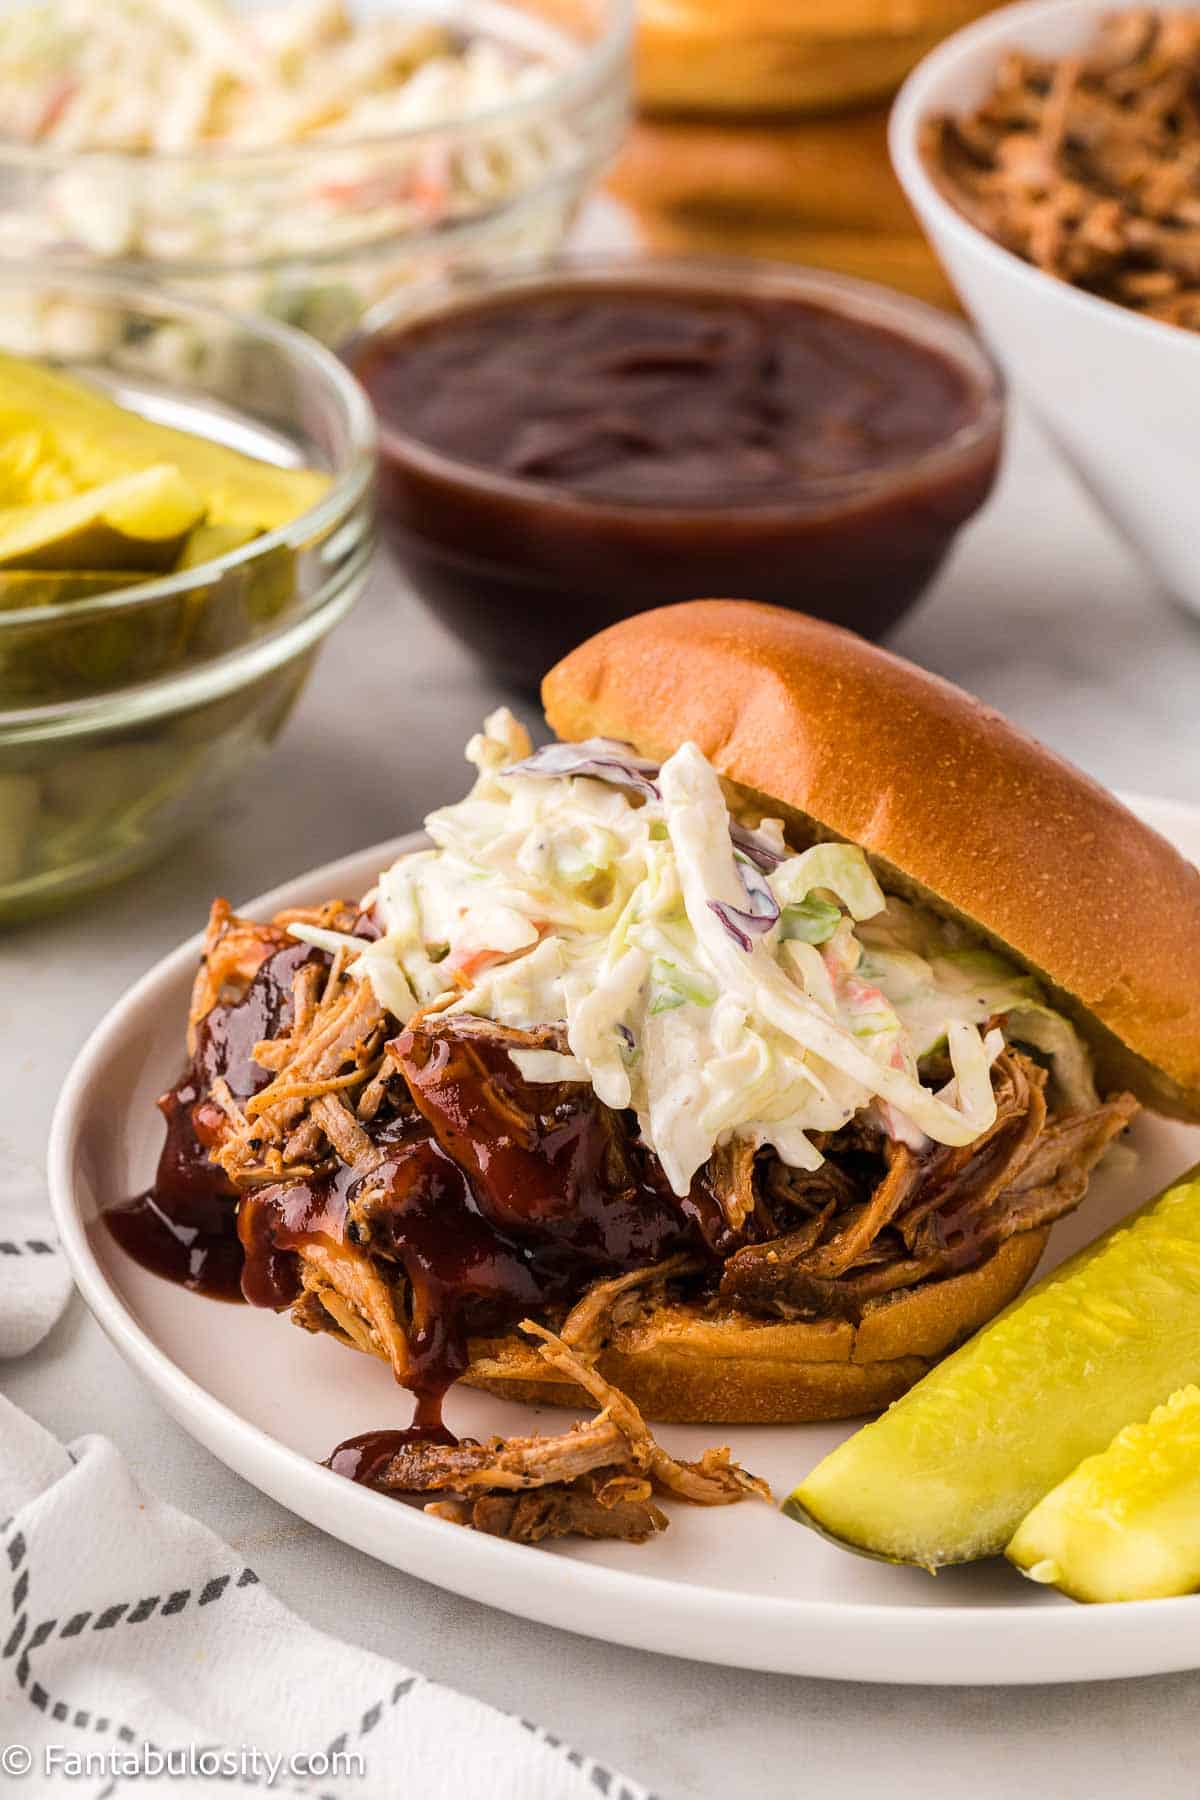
1126 1524
20 804
950 1470
20 588
208 541
82 438
135 522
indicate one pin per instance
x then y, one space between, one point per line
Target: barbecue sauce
185 1227
496 1199
661 397
493 1197
578 448
364 1458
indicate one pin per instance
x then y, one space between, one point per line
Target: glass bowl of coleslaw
125 710
302 158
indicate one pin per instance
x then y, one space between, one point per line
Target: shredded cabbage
720 991
841 869
547 1065
920 962
812 921
100 83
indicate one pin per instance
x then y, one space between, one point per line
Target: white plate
741 1586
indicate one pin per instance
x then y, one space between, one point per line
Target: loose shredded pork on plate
597 1480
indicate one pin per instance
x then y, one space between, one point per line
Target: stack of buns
764 132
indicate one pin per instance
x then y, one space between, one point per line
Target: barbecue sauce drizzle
185 1227
493 1196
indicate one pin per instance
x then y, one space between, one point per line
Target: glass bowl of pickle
185 513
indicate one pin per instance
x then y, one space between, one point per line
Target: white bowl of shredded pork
302 157
1052 152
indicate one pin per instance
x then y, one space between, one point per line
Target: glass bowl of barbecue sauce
561 447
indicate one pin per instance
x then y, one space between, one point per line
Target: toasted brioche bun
692 70
684 1367
780 56
954 805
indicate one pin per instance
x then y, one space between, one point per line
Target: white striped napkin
139 1654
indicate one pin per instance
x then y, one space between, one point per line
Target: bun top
953 804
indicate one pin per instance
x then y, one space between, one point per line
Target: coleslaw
140 104
723 986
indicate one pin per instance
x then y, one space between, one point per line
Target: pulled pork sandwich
726 1061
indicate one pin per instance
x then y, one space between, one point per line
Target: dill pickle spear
1126 1524
949 1471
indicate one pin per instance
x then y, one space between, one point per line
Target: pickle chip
76 437
949 1471
206 542
1126 1524
135 522
20 588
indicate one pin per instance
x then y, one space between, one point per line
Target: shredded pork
933 1215
597 1479
1089 165
593 1506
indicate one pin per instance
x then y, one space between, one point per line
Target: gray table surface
1042 612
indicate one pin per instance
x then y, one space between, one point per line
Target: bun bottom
685 1367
